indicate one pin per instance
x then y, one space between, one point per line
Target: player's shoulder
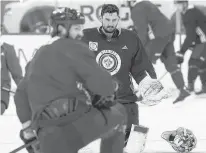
129 34
90 30
191 12
50 43
72 46
66 42
143 4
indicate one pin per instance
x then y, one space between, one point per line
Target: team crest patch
93 46
109 60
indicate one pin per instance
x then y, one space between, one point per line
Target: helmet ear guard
182 140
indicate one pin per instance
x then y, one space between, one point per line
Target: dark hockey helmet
66 17
180 1
182 140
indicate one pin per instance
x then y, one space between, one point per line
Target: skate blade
203 95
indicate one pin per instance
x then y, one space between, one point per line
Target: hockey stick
24 146
6 89
160 78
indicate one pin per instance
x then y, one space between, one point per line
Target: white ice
190 114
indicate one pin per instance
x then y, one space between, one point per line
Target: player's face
76 31
109 22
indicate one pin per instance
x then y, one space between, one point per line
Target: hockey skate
202 91
183 94
190 87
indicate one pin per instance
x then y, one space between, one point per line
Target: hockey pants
163 48
83 126
196 66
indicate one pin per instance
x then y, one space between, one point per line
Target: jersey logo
93 46
109 60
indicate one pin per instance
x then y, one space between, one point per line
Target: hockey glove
103 102
27 135
152 91
180 57
106 102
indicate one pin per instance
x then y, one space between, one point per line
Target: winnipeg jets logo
109 60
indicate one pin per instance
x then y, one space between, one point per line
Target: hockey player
121 53
194 21
9 65
157 34
59 80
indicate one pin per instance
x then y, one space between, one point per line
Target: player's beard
109 29
78 37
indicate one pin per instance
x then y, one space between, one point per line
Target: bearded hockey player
59 80
121 53
194 21
9 65
157 34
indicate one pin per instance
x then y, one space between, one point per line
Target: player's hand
103 102
180 57
27 135
27 132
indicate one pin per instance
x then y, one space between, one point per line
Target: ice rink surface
190 114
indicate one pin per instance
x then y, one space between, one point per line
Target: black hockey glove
103 102
180 57
100 102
